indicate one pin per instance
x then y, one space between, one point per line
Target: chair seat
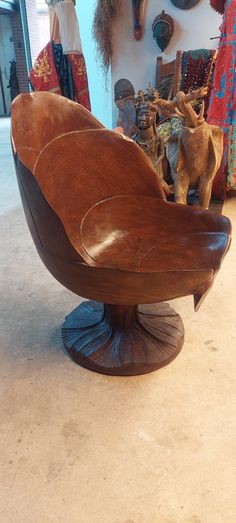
144 234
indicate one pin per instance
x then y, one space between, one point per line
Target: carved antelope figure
194 152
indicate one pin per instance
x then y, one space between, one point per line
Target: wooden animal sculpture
103 228
194 153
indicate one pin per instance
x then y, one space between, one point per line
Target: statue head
163 30
146 116
146 107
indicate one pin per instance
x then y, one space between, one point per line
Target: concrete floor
79 447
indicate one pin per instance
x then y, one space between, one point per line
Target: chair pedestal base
123 340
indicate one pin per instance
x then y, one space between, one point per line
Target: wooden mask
163 30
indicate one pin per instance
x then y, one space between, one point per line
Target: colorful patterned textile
165 129
43 76
79 73
64 72
61 74
222 109
197 68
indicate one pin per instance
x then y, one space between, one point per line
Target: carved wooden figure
125 101
101 224
194 152
146 137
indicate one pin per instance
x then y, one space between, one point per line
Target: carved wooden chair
102 226
168 74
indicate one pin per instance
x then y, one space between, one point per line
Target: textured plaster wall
137 60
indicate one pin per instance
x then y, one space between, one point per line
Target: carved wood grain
123 340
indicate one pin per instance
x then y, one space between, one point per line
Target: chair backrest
36 119
73 169
168 72
78 170
39 117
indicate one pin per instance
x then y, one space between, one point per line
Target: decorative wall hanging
223 100
106 13
60 66
197 69
185 4
138 14
163 29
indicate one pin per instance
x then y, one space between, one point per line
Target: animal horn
200 116
181 115
190 113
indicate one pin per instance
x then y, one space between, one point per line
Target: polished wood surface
109 154
37 118
116 228
98 283
101 225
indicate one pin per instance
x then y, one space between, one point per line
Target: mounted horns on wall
163 30
138 14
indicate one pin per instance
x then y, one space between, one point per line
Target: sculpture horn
201 114
181 115
190 113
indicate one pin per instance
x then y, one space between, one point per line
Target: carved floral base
123 340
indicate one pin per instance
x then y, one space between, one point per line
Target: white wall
137 60
44 26
100 91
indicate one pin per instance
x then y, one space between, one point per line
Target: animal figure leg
205 188
181 185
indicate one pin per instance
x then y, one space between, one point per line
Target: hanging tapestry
222 109
62 74
197 68
43 75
